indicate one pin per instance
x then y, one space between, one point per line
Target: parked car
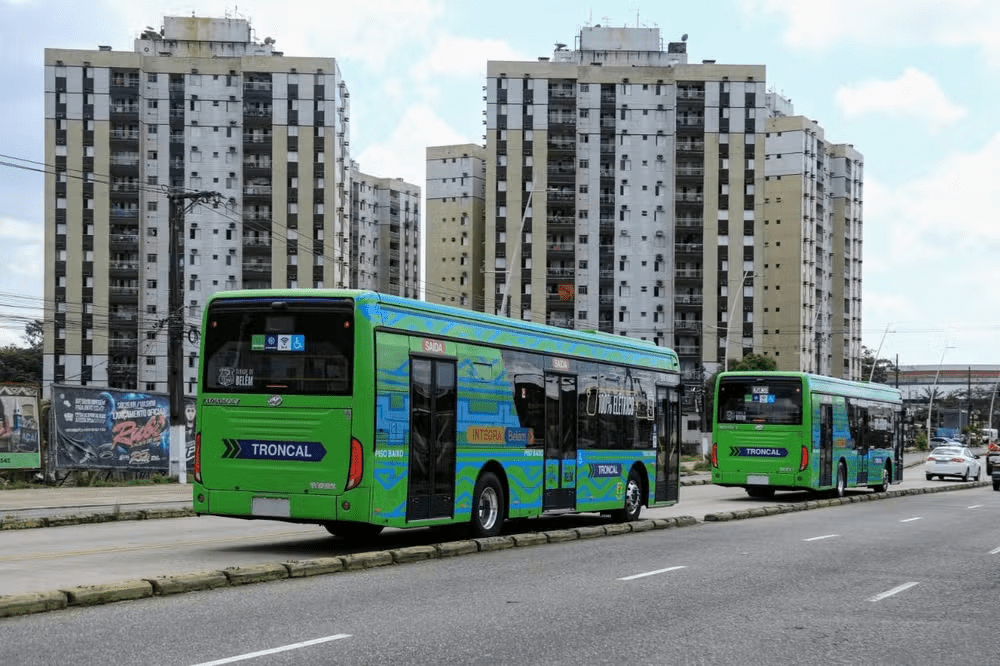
952 461
996 478
944 441
992 457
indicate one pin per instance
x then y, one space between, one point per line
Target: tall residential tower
203 160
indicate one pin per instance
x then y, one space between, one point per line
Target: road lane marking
825 536
264 653
975 506
651 573
995 551
895 590
910 520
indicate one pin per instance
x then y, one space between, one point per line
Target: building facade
629 191
456 198
201 161
385 234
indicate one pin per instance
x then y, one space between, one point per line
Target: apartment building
812 248
202 160
628 192
385 234
456 198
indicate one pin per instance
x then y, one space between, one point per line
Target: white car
952 461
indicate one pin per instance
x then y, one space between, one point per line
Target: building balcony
688 274
559 273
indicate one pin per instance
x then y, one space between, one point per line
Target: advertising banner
19 437
109 429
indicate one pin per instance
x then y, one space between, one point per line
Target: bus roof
385 310
828 384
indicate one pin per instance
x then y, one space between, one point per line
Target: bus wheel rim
631 496
488 508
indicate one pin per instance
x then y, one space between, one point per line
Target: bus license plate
758 480
269 506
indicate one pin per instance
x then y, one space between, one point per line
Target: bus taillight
357 465
805 459
197 457
715 454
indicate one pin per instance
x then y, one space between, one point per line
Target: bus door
668 438
862 448
826 444
560 442
433 393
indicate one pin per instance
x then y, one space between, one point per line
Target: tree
756 362
23 365
883 367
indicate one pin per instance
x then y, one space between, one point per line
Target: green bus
357 411
798 431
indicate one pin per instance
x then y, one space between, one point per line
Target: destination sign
757 452
256 449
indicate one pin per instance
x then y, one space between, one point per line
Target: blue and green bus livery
359 411
798 431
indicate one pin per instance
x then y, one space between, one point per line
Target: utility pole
180 204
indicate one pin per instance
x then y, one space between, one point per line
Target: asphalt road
40 560
909 580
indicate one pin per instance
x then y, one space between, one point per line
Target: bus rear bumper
305 508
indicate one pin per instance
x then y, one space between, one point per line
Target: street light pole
517 251
877 352
930 403
732 314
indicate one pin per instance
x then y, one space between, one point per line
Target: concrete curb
88 518
91 595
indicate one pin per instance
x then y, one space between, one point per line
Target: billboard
109 429
19 437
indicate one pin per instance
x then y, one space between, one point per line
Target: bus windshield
760 400
296 346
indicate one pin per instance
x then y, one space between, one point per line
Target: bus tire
881 487
488 506
358 532
633 499
841 479
760 492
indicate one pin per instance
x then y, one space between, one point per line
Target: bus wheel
881 487
760 492
353 531
487 506
633 500
841 480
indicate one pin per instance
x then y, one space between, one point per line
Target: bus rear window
302 347
760 400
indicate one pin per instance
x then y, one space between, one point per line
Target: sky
910 83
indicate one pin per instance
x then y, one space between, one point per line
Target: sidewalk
60 506
41 503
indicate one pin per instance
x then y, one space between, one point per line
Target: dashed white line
975 506
264 653
995 551
825 536
895 590
910 520
651 573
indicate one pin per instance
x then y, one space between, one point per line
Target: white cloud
819 24
464 57
403 153
935 239
19 230
913 94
